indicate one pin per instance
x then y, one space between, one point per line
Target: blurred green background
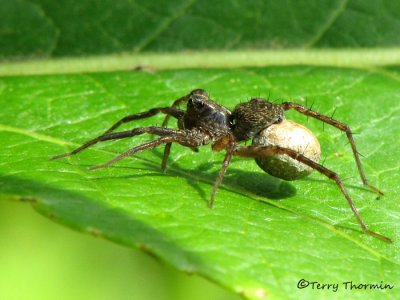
43 260
48 28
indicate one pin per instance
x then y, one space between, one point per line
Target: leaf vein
329 22
164 25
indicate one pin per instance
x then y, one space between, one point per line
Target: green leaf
263 234
74 28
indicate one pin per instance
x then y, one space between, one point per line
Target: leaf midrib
360 58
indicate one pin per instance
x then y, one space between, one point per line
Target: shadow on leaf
256 183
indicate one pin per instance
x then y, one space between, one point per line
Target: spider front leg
176 103
107 135
167 148
145 146
169 111
188 138
262 151
341 126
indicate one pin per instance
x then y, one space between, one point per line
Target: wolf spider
207 122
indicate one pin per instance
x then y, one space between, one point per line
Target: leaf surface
263 234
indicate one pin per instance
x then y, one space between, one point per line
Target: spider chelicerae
207 122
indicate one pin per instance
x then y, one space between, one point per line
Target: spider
207 122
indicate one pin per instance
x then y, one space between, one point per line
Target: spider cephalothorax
206 122
206 115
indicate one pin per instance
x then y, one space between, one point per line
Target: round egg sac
288 134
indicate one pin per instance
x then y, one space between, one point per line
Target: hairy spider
206 122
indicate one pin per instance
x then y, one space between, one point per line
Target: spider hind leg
262 151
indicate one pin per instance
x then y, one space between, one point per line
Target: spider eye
198 104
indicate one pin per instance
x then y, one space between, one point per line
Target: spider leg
167 148
229 144
341 126
145 146
167 151
257 151
184 137
169 111
118 135
176 103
